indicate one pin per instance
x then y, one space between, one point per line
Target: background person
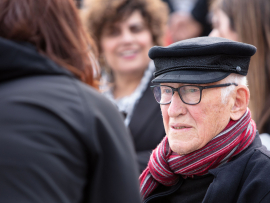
188 19
61 141
125 30
211 152
230 20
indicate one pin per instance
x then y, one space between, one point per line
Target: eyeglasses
189 94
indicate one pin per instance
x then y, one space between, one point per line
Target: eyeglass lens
188 94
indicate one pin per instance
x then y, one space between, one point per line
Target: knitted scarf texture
165 166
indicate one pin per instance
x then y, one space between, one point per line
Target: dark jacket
245 179
60 140
146 127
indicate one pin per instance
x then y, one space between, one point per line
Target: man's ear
241 100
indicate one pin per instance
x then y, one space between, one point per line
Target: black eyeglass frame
200 87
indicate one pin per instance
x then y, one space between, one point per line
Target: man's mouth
180 127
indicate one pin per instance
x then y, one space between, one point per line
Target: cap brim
190 77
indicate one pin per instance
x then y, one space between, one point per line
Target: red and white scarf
165 166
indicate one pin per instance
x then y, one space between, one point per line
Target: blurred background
175 20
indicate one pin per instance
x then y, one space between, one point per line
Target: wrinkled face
191 127
125 44
222 27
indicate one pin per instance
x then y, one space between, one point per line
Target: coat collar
254 145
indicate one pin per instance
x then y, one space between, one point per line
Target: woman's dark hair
251 21
54 27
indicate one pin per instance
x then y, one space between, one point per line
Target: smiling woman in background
125 30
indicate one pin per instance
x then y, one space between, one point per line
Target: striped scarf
165 166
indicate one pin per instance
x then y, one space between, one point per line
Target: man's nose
177 106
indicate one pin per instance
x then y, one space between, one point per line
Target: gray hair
232 78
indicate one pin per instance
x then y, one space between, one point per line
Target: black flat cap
200 60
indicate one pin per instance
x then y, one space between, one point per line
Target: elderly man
212 152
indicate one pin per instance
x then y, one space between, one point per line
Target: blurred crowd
78 117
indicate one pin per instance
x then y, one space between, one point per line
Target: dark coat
146 127
245 179
60 140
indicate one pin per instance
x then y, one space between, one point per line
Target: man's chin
182 148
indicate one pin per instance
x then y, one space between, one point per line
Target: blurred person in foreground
125 30
230 20
212 151
61 141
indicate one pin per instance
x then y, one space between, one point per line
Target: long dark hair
54 27
254 28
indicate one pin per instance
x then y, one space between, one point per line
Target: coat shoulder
256 179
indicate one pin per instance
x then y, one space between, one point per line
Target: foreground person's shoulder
93 98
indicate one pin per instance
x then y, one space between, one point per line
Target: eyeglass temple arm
220 85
